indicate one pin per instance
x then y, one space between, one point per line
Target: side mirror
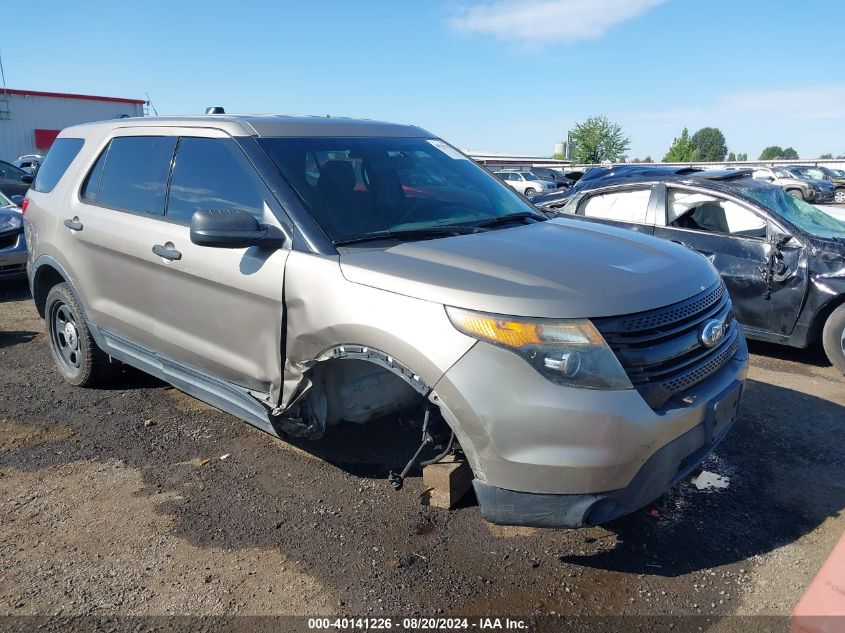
233 228
27 178
16 200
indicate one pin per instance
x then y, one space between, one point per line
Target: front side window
135 172
55 164
703 212
621 206
211 173
360 186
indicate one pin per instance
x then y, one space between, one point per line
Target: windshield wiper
411 234
511 217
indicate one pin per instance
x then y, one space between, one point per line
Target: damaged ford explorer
297 272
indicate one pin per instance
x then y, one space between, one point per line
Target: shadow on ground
813 355
15 290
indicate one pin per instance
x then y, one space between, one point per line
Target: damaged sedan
298 272
781 258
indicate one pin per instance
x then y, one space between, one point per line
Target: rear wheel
78 359
839 196
833 338
530 191
796 193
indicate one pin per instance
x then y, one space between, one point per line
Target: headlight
10 222
570 352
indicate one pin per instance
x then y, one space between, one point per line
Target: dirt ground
138 500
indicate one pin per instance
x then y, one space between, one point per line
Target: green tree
772 152
732 157
597 139
825 156
680 149
710 143
789 154
742 156
648 159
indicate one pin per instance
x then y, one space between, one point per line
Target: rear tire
839 196
833 338
77 357
529 192
796 193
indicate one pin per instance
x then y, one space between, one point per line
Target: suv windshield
802 214
375 186
810 172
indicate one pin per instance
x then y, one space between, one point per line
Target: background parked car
553 175
781 258
12 242
526 182
824 173
13 181
796 185
29 163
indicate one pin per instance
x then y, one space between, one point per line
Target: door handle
74 224
167 252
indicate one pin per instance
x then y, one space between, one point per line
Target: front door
218 310
766 281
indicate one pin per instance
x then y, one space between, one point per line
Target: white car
29 162
525 182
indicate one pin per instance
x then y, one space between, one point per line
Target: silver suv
298 272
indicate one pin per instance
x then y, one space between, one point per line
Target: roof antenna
215 110
150 103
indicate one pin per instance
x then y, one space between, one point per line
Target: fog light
566 364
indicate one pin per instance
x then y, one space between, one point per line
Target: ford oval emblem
713 332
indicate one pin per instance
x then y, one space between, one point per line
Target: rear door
218 310
120 202
739 241
631 208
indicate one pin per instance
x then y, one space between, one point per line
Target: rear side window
134 175
211 173
55 164
621 206
91 186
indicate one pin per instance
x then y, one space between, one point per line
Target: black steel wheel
77 357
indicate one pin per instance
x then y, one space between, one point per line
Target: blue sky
501 75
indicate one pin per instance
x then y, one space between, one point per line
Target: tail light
24 204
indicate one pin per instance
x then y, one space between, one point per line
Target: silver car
298 272
526 182
12 242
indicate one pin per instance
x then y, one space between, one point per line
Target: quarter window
58 159
621 206
91 186
134 176
211 173
701 212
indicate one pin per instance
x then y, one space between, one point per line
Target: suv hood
560 269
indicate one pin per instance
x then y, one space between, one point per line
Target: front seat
710 216
342 210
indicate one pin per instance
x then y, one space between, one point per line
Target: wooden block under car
446 482
822 607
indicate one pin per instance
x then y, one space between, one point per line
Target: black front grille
7 240
661 350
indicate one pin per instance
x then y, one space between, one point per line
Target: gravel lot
118 501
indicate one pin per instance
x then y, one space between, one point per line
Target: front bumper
13 259
552 456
